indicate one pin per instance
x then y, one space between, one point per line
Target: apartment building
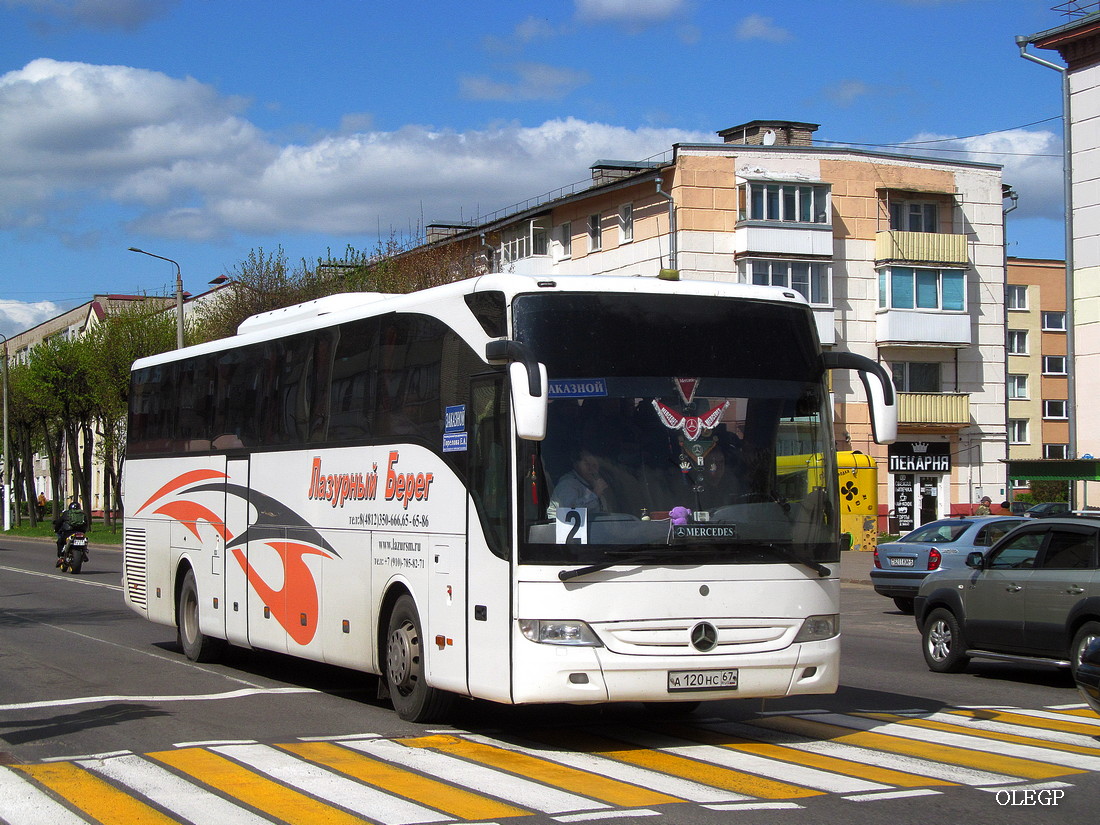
900 257
1038 367
1077 42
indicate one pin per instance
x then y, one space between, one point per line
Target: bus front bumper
548 673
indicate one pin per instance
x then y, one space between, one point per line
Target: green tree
135 331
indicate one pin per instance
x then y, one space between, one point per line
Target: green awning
1055 469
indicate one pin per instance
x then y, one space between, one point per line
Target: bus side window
489 472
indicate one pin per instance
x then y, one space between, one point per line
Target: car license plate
901 561
725 679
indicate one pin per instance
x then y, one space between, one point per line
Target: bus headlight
546 632
817 628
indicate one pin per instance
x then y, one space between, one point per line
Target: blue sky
202 129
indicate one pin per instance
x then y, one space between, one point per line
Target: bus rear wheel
197 646
412 697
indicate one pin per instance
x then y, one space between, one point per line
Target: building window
524 240
791 202
1017 431
595 236
626 223
566 234
907 216
1054 365
905 287
1017 386
1054 409
1016 297
915 376
1054 322
1017 342
809 279
1055 451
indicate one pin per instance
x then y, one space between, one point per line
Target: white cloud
846 92
106 149
1032 162
759 27
534 81
631 13
17 316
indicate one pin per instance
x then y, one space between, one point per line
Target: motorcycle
75 553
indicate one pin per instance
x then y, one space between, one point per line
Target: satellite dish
769 137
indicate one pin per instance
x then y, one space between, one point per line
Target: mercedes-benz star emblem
704 637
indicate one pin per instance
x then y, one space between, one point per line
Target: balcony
936 409
910 327
921 247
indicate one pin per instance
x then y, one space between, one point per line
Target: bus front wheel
197 646
412 697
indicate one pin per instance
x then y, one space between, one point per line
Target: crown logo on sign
920 446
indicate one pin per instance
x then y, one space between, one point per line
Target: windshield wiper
786 554
628 557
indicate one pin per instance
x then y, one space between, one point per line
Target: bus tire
412 697
196 645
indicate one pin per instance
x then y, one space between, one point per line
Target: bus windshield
680 430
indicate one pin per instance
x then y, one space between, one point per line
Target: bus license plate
702 680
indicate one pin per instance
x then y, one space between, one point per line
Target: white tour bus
509 488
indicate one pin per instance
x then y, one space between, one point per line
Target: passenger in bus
582 487
719 480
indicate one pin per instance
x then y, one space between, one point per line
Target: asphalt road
103 720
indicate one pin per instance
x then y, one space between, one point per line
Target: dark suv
1034 596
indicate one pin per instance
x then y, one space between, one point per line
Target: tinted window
1070 549
938 532
1019 552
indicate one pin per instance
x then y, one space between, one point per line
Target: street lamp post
179 294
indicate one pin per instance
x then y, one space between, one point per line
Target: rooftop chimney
770 133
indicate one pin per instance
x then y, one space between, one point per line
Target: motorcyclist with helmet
73 520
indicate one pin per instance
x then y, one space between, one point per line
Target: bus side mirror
529 410
880 391
527 378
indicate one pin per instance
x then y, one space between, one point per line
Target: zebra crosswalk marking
1092 761
682 787
1064 723
96 797
750 785
455 801
517 790
22 801
938 752
272 798
1033 758
953 774
1053 730
743 737
749 762
594 785
173 793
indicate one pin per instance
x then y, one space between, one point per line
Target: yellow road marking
702 772
455 801
950 754
1016 739
832 764
551 773
284 804
1063 725
100 800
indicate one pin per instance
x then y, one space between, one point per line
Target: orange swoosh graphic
180 481
188 513
298 595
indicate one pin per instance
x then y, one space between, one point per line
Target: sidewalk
855 567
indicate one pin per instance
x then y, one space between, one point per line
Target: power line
919 143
